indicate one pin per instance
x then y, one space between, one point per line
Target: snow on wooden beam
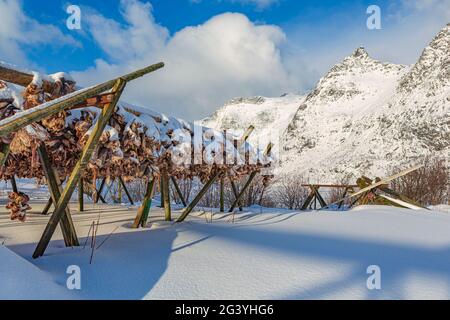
24 118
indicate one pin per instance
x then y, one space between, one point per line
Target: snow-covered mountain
363 117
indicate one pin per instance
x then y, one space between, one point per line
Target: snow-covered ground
264 254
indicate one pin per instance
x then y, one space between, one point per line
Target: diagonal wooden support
308 200
53 182
14 184
236 193
377 184
47 207
86 155
249 181
4 152
319 197
144 209
130 199
98 193
343 197
178 190
242 140
241 194
199 196
80 195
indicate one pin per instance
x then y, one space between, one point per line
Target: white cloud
17 30
225 57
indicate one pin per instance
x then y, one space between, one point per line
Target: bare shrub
185 186
288 191
429 185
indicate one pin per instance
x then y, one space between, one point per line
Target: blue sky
291 15
215 50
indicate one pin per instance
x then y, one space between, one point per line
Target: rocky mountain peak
360 53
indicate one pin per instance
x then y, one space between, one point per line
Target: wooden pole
130 199
178 190
22 119
236 193
86 155
161 193
308 199
144 209
54 187
98 193
222 198
47 206
319 197
241 194
166 199
14 184
81 195
4 152
249 181
199 196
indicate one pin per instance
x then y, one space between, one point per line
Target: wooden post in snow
81 195
144 209
47 207
199 196
222 195
98 193
53 182
249 181
130 199
178 190
14 184
86 155
166 193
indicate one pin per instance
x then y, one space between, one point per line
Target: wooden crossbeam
178 190
21 78
377 184
48 109
144 209
199 196
86 155
54 187
130 199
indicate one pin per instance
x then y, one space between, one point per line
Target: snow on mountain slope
269 116
363 117
334 134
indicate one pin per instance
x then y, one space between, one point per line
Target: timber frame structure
61 197
104 96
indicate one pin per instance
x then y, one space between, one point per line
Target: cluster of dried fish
136 142
18 204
